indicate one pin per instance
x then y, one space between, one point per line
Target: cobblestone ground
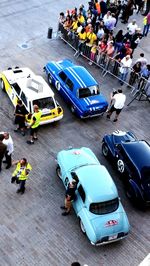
32 230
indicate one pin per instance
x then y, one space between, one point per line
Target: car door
60 84
79 203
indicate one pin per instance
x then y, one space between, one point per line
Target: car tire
58 171
120 166
2 85
82 227
105 150
57 85
72 108
49 79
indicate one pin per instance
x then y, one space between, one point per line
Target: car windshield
87 92
123 138
104 207
45 103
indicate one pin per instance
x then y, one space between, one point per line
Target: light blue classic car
78 88
97 205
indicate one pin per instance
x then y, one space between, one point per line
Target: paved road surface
32 230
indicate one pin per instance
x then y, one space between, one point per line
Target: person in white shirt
119 101
132 26
142 60
10 148
107 18
126 63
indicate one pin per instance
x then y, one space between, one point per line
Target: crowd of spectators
92 34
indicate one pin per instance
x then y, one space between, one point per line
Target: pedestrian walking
10 148
119 101
69 197
35 122
20 175
3 149
20 113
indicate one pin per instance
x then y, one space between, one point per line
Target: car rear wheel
49 79
82 227
120 166
2 85
58 171
105 150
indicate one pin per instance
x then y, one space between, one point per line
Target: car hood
95 101
110 224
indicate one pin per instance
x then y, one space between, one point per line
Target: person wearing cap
124 69
69 197
35 122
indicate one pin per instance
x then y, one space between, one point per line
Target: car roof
34 86
97 183
80 77
139 153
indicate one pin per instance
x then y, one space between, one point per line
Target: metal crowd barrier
108 65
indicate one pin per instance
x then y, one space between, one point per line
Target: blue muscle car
78 88
97 205
132 158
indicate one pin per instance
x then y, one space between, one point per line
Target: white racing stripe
84 85
76 78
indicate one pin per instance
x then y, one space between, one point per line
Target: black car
132 159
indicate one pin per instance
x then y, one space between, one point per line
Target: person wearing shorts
35 122
119 100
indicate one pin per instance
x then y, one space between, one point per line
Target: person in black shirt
20 113
69 196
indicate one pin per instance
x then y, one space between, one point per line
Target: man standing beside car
3 149
10 148
35 122
119 101
69 197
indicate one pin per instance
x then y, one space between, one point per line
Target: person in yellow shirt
20 175
93 53
81 19
82 39
35 122
91 38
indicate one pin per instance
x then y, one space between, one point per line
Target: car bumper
91 115
105 242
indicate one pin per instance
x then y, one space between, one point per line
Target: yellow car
23 84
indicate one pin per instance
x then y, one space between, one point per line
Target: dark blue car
78 88
132 159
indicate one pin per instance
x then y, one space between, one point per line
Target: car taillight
111 223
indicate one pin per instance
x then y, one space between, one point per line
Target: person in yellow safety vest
35 122
20 175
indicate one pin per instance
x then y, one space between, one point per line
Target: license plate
112 237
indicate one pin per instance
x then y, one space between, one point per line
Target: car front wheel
105 150
58 171
49 79
82 227
2 85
